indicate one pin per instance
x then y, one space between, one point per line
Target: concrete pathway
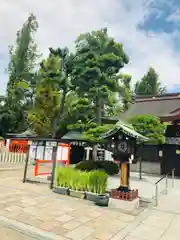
10 234
38 213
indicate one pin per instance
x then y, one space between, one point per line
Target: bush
109 167
87 166
93 181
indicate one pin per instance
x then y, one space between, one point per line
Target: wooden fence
12 158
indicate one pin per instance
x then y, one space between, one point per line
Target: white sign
32 151
173 140
51 144
48 153
62 153
77 143
40 152
160 153
34 143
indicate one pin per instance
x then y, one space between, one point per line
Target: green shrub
109 167
87 165
93 181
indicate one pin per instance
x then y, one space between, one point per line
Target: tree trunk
102 108
98 121
94 152
61 111
63 97
98 110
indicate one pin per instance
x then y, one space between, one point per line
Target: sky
148 29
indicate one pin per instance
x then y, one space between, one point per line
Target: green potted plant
61 181
103 198
77 184
96 188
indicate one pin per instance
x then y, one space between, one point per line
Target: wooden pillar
26 165
124 177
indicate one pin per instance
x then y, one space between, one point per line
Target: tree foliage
23 60
72 90
125 90
66 61
22 78
98 60
150 84
149 126
46 104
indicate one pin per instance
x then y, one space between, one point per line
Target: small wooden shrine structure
123 140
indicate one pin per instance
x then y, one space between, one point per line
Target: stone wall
147 167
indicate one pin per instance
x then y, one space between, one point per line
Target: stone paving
66 217
35 209
9 234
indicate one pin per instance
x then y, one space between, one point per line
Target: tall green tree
23 60
150 84
125 90
46 104
65 86
98 60
22 77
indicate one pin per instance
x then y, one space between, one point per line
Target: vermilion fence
45 162
62 156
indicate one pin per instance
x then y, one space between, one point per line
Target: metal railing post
156 195
173 177
166 185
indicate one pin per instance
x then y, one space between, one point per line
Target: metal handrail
173 173
166 184
160 179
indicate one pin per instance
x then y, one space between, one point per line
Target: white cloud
60 22
174 17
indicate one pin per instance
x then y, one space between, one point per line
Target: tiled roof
166 105
126 129
72 135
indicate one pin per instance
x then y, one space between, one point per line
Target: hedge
109 167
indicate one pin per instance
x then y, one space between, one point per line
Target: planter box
77 194
91 196
101 200
61 190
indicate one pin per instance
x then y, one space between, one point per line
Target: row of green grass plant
94 181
